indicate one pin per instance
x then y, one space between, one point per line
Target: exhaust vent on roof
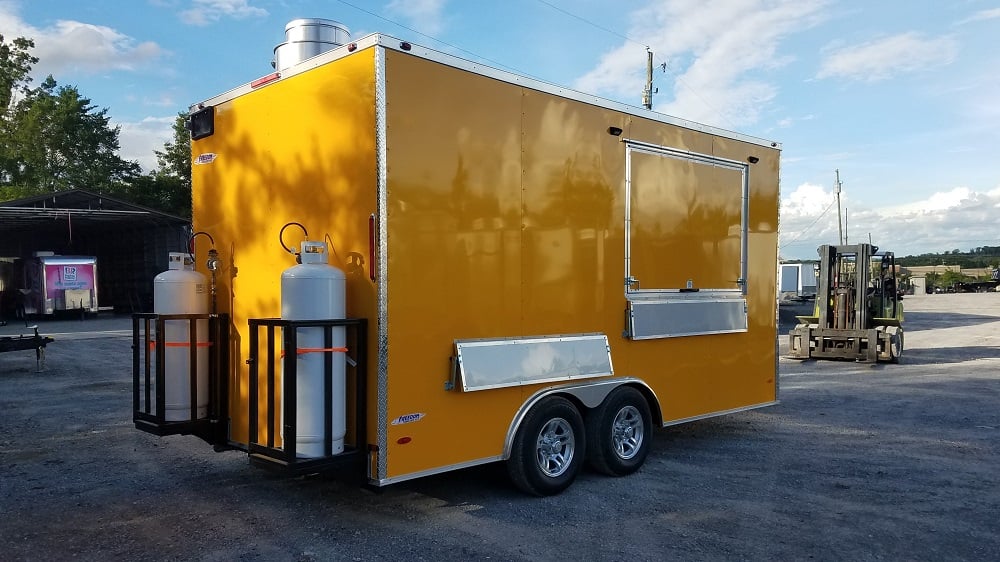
306 38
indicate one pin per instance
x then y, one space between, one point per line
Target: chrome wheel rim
627 432
555 447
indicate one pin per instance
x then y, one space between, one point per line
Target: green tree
15 65
53 138
168 187
932 280
173 173
175 158
950 278
61 141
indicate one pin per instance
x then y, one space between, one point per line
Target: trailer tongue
23 342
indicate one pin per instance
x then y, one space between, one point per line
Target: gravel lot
858 462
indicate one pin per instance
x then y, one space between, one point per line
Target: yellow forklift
858 311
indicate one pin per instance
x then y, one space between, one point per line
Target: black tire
896 345
619 432
549 448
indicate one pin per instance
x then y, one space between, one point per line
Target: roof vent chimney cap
307 37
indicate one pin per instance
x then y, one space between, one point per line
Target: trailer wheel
618 432
548 449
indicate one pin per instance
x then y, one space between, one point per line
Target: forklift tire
619 432
895 345
549 448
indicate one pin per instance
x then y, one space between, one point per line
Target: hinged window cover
498 363
685 222
677 317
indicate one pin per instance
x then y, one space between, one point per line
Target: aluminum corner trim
382 268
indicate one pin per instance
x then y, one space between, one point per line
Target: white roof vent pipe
306 38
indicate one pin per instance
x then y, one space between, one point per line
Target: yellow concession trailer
532 274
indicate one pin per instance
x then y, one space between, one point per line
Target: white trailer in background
54 283
797 280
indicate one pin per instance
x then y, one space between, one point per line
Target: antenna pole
647 92
840 220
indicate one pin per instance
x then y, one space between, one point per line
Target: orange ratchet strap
304 350
152 344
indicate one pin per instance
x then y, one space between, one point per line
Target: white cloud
71 45
139 139
205 12
426 16
163 100
713 48
940 201
76 47
808 200
806 217
957 218
981 16
787 122
887 57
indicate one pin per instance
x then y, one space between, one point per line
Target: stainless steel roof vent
306 38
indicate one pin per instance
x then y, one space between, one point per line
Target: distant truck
53 283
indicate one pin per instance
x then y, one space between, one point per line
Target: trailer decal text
407 418
206 158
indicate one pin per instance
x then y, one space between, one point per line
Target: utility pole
840 220
647 92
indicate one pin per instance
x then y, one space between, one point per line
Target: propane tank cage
149 377
283 459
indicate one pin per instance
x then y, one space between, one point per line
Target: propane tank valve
213 260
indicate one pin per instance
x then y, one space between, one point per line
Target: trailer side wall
506 211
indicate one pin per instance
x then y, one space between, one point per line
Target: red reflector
351 47
403 440
371 246
265 79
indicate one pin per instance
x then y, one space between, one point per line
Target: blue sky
900 96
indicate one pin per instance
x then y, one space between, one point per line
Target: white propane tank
182 290
315 290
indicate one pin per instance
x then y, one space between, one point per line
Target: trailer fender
587 395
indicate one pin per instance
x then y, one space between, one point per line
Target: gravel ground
858 462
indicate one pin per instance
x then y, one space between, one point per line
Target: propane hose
195 235
281 236
281 239
212 264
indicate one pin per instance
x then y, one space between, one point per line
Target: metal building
130 243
